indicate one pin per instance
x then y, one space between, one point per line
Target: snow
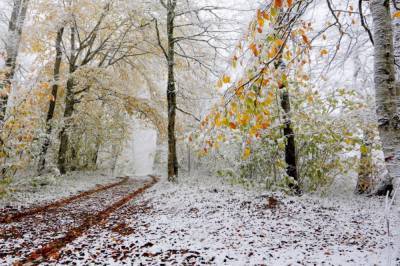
26 192
205 220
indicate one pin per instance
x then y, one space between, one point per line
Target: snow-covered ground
137 159
26 192
205 220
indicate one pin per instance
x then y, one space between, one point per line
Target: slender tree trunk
96 155
396 40
364 181
386 92
15 25
68 111
366 166
171 94
64 138
290 147
52 103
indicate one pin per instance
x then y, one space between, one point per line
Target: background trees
292 106
192 34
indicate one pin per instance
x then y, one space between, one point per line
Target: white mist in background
137 157
144 149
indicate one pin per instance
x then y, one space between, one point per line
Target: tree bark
171 93
396 42
64 138
15 25
386 92
52 103
290 146
365 178
68 111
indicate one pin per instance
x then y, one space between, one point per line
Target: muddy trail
37 234
10 215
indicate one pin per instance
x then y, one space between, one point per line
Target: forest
183 132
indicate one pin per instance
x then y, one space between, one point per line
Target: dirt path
13 215
38 234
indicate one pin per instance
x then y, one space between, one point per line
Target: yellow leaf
244 119
219 84
269 99
396 14
348 141
217 120
45 85
36 47
246 153
253 131
226 79
324 52
279 42
225 121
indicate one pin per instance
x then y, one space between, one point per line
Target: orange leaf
278 3
265 125
261 21
305 39
253 47
232 125
290 3
279 42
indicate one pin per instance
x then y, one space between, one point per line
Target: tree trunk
366 166
386 92
68 111
171 94
365 177
12 47
52 103
396 40
64 138
15 25
290 147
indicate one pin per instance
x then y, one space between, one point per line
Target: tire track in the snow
15 217
19 239
51 249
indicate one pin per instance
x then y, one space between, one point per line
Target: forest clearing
182 132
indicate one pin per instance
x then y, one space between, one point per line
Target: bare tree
190 31
52 103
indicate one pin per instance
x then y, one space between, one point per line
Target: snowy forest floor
204 220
